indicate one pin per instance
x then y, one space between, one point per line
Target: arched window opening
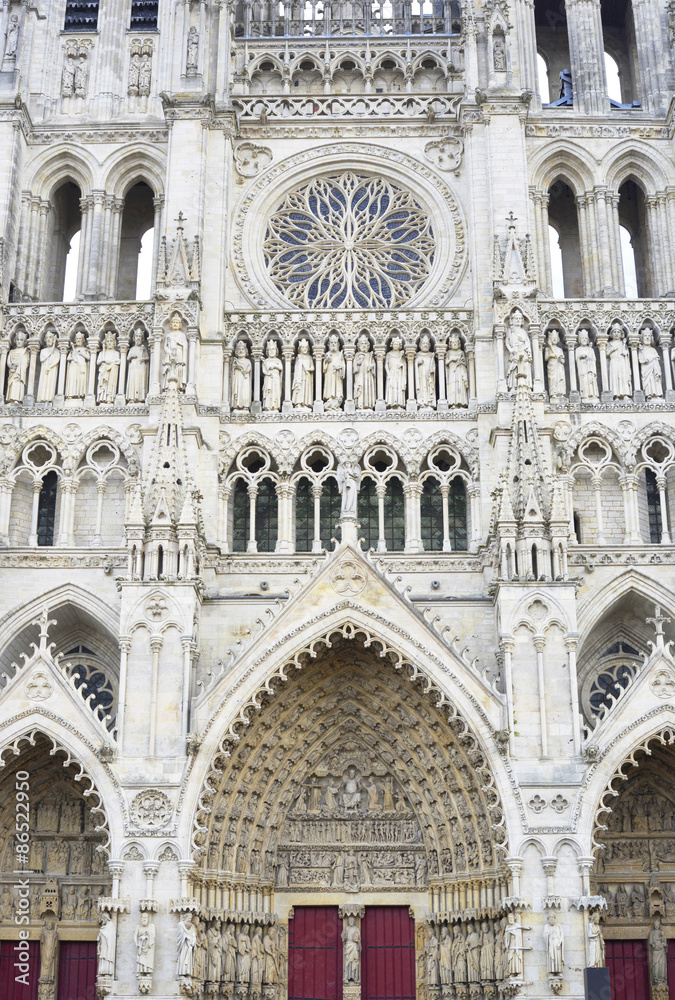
266 517
394 516
330 508
615 669
621 71
160 562
635 243
562 213
577 526
544 83
81 15
65 222
240 517
535 562
653 507
557 280
304 516
46 519
92 680
368 515
613 78
457 516
431 512
138 220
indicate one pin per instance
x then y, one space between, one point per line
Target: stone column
587 240
442 401
570 343
412 492
652 57
665 341
605 392
587 57
379 351
601 198
125 648
351 915
318 378
156 643
158 204
571 643
633 343
92 275
285 494
507 643
410 351
349 405
34 349
123 346
287 355
93 345
187 643
536 341
539 645
227 359
155 341
256 404
540 206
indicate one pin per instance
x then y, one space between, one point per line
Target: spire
179 270
166 486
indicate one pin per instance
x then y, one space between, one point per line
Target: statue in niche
364 375
71 816
555 945
270 967
650 366
388 804
144 939
48 939
302 389
12 37
145 75
351 944
487 952
351 871
658 954
618 357
637 901
105 946
499 53
272 369
229 950
48 816
83 911
596 943
338 867
472 953
68 75
17 369
187 944
587 368
458 955
365 870
348 477
425 375
513 946
555 365
421 871
519 350
80 76
108 364
36 857
192 51
432 958
49 369
69 903
138 360
79 858
395 370
243 956
456 373
175 354
241 377
351 790
334 374
282 872
445 962
214 952
57 861
78 362
201 952
257 958
134 74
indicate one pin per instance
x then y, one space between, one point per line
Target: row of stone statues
487 951
332 367
225 952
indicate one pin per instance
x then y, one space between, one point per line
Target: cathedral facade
337 563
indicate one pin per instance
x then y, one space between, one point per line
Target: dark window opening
394 516
459 540
47 510
431 509
330 509
368 514
240 517
144 15
81 15
653 507
266 517
304 516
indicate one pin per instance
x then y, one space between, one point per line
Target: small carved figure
555 365
192 51
513 946
519 350
68 75
78 362
364 375
229 949
596 943
348 484
270 967
302 389
351 940
243 957
257 958
48 939
201 952
618 357
445 962
80 80
105 946
472 953
186 944
175 354
351 871
145 75
459 969
241 377
108 364
17 369
650 366
272 369
138 360
456 374
83 911
144 939
49 369
487 952
587 368
396 372
79 857
425 375
69 903
12 37
351 790
555 945
334 374
134 73
658 954
57 860
499 54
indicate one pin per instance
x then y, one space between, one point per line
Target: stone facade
339 571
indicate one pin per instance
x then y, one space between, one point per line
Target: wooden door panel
388 954
315 954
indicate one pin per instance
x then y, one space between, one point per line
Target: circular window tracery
349 241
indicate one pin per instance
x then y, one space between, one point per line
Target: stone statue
555 365
396 374
257 958
243 957
105 946
69 903
351 790
498 54
144 939
425 375
48 939
201 952
80 79
618 357
334 374
348 478
555 945
650 366
187 944
587 368
513 946
302 389
519 350
658 955
500 954
214 967
241 377
68 75
59 855
445 957
270 967
456 373
138 360
351 944
83 903
272 369
487 952
134 73
364 375
12 37
472 954
192 51
108 364
17 369
175 353
432 958
459 969
229 950
49 369
351 872
78 362
145 75
596 942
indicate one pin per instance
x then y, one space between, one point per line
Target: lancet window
144 15
81 15
317 501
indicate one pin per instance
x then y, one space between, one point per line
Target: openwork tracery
349 241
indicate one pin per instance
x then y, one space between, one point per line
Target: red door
628 970
671 968
27 987
314 954
388 950
77 970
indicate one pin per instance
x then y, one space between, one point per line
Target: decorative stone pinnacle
657 621
44 621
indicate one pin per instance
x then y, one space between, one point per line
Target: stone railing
323 18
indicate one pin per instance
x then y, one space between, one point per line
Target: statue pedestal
350 536
351 991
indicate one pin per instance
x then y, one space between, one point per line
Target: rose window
349 241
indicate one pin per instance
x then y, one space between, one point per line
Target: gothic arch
36 433
129 166
598 604
633 161
563 160
103 612
594 429
103 433
55 167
